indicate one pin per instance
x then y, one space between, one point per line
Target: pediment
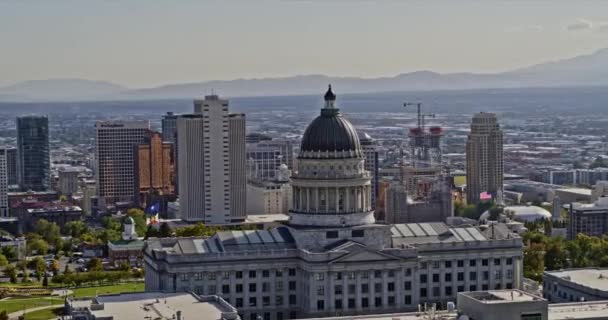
364 255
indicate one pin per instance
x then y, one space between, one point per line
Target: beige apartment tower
211 158
484 158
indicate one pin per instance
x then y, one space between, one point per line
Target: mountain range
584 70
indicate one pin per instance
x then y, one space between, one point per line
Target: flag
153 209
485 196
152 219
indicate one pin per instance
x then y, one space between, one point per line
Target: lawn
45 314
117 288
12 305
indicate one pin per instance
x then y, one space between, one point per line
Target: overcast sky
149 43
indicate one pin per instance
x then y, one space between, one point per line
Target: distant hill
585 70
60 89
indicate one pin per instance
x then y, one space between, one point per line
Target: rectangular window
460 276
226 289
472 287
331 234
365 303
238 288
358 234
292 272
338 289
460 263
252 287
278 300
338 304
253 302
320 290
377 287
278 286
292 285
484 262
436 277
225 275
448 264
408 300
423 278
472 276
497 262
407 285
292 299
265 286
448 277
265 273
509 261
378 302
472 263
351 303
448 291
423 292
184 277
435 264
266 301
239 302
408 272
252 274
338 276
320 276
364 288
390 286
377 274
436 292
460 288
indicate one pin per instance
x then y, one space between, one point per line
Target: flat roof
593 278
501 296
578 310
153 305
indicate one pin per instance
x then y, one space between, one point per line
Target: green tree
164 230
54 267
9 252
3 260
11 272
4 315
151 232
95 264
598 163
45 282
556 254
534 262
139 217
75 229
48 231
38 246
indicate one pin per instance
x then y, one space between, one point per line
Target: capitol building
332 258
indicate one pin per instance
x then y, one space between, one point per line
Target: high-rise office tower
169 127
12 167
3 184
212 181
169 134
115 142
33 153
484 158
238 166
265 156
370 152
154 172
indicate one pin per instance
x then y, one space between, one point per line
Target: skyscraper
484 157
238 166
211 155
154 172
169 134
115 142
12 167
3 184
33 153
370 152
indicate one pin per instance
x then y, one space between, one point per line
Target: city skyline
168 43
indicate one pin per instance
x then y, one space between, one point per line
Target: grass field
117 288
12 305
45 314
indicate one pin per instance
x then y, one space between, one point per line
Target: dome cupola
330 135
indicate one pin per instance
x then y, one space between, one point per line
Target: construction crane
421 116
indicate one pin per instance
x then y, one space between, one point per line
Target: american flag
485 196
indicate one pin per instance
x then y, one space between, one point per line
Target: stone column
384 288
307 199
316 199
329 292
358 294
337 199
347 199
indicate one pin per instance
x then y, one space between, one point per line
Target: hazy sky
148 43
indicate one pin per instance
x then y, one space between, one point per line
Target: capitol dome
330 135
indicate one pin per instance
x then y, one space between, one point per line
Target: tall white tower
211 157
484 157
